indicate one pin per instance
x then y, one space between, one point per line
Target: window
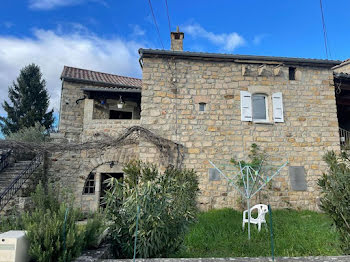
256 107
259 105
291 73
202 107
89 187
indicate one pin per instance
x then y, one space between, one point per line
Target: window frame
91 189
267 119
202 105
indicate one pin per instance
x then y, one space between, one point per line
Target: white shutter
277 102
246 106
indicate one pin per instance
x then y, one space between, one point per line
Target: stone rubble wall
71 113
69 171
343 67
218 134
170 109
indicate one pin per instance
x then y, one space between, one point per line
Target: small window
114 114
202 107
89 187
291 73
259 104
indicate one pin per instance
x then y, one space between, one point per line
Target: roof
342 76
238 58
108 81
345 62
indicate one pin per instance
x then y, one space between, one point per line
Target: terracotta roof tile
98 78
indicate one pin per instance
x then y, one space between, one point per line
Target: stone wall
81 122
344 67
70 170
171 109
71 113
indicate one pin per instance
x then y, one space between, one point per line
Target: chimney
177 40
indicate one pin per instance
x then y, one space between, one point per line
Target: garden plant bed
218 233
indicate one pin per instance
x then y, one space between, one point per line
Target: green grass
218 233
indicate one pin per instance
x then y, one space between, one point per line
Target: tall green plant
51 227
29 101
256 157
257 160
56 237
167 206
335 200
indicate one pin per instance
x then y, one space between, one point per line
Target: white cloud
226 41
51 4
137 30
258 38
51 51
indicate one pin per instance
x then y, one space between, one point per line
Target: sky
105 35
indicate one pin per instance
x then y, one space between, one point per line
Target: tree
335 197
30 101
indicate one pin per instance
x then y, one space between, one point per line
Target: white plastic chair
262 210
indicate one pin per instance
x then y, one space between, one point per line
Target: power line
167 11
155 23
324 32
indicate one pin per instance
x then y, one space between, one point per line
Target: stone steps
10 173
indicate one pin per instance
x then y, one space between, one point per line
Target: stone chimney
177 39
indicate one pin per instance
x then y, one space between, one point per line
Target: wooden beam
245 70
277 70
261 70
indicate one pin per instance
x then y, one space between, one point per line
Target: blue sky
104 35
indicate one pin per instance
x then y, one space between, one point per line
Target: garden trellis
248 181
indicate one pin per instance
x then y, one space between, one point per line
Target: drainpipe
141 61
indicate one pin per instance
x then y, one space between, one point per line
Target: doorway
105 185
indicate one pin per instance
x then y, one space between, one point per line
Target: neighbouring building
206 107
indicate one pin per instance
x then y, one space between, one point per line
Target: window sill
263 122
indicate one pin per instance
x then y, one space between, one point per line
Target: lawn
218 233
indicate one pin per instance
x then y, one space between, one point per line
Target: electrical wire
324 32
167 11
155 23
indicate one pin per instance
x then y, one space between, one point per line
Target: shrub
335 200
11 222
93 230
167 205
53 234
37 134
51 227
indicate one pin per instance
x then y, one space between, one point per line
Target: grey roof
112 89
233 58
343 76
100 79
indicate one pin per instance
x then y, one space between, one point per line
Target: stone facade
170 107
173 87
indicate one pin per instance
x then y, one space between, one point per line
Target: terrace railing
344 137
5 159
18 182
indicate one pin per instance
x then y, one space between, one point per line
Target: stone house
205 107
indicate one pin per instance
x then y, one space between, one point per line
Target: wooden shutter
246 106
277 102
